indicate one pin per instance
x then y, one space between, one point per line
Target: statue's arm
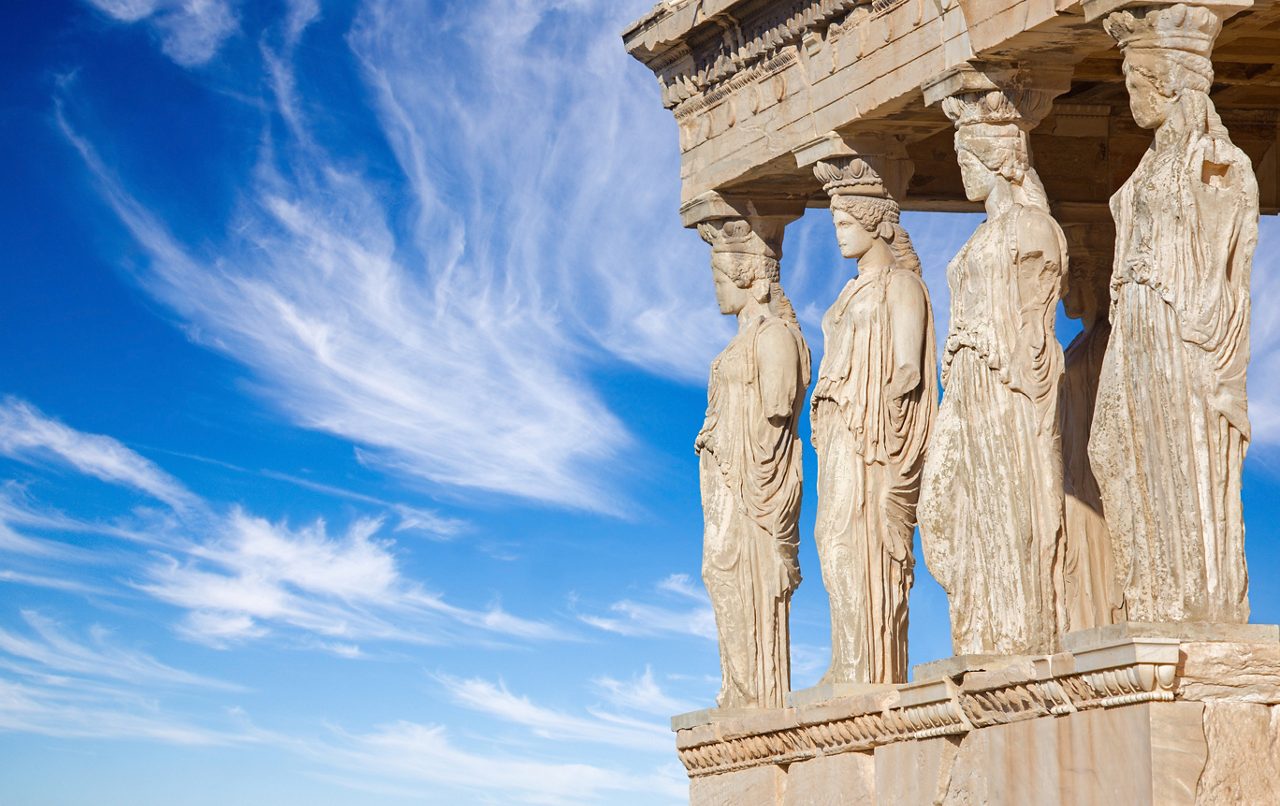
908 311
778 364
1040 267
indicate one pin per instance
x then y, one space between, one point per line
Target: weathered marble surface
991 500
872 410
1171 425
750 464
1243 768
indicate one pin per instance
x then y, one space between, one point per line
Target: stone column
873 407
1171 426
1091 591
749 455
991 499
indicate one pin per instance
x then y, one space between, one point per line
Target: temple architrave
1081 508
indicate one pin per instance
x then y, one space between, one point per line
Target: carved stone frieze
738 48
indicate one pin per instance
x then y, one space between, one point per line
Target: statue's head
1166 54
861 221
744 261
1091 246
861 206
741 278
989 154
1088 290
991 139
992 143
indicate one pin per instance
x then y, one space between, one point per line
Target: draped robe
870 449
991 499
751 477
1091 590
1171 427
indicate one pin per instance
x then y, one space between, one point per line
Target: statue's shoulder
1031 217
905 285
1220 163
776 341
773 332
1036 230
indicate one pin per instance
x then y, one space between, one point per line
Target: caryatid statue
1171 427
1091 590
991 499
873 407
750 463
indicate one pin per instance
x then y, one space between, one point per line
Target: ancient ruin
1082 512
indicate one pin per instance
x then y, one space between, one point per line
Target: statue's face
853 238
1149 106
731 298
979 180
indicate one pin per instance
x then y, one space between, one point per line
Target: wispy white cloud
413 760
418 753
580 209
18 508
64 712
685 610
28 435
411 519
190 31
240 577
496 700
49 645
56 683
13 577
12 541
458 346
254 575
642 694
470 391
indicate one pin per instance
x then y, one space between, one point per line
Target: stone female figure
1091 592
991 503
750 469
1171 426
873 406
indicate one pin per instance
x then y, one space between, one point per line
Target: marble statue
873 407
991 499
1091 590
1171 427
750 465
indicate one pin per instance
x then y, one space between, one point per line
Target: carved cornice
1126 672
723 47
695 104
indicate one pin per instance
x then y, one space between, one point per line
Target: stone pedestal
1131 714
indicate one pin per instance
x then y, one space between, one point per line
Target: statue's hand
702 441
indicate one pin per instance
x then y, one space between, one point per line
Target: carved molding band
1135 671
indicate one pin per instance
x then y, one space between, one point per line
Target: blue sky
351 356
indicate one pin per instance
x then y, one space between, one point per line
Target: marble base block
1142 715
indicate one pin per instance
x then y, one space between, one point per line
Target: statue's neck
878 259
753 310
1176 127
1000 200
